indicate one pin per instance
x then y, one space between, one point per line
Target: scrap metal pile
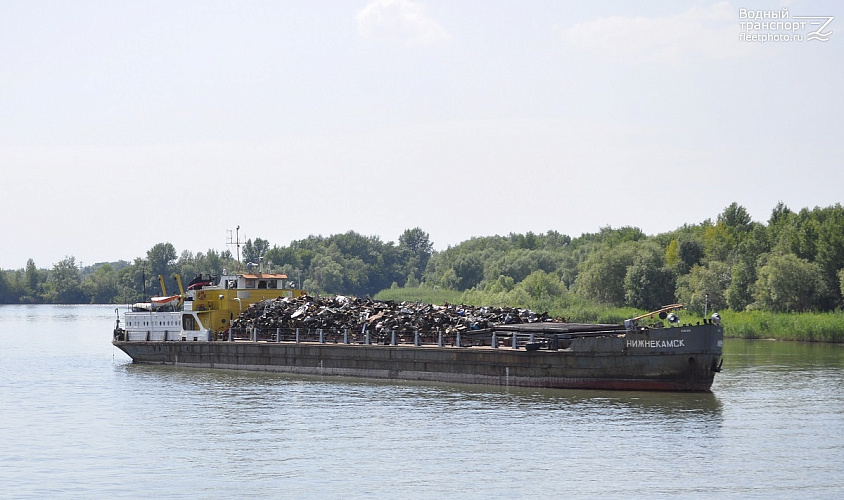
341 312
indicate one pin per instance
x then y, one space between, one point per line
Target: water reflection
478 400
427 434
786 355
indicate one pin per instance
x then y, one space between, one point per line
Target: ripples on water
397 438
80 421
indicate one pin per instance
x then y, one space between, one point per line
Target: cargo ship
200 328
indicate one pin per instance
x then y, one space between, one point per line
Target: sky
127 124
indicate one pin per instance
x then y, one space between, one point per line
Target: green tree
841 281
612 237
719 243
789 283
191 265
32 280
161 257
779 225
752 247
100 287
705 285
690 252
289 257
519 263
469 270
540 284
15 279
736 218
411 281
566 267
253 251
343 263
5 291
739 294
65 283
502 284
672 253
648 282
161 260
132 282
416 249
779 215
356 275
188 265
801 237
601 276
830 250
327 275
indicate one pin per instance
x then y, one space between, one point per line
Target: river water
78 420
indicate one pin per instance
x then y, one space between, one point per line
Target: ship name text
656 343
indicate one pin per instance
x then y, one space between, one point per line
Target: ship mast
236 243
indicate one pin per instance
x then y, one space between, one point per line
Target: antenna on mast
237 243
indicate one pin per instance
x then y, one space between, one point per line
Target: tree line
107 283
794 262
348 263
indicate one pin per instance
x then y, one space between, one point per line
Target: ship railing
513 339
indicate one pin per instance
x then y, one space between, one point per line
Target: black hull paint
671 359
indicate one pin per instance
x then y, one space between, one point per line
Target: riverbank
806 327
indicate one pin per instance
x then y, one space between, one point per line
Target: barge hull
673 359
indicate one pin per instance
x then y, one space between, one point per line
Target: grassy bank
420 294
808 327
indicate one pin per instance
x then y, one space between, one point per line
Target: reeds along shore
807 327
